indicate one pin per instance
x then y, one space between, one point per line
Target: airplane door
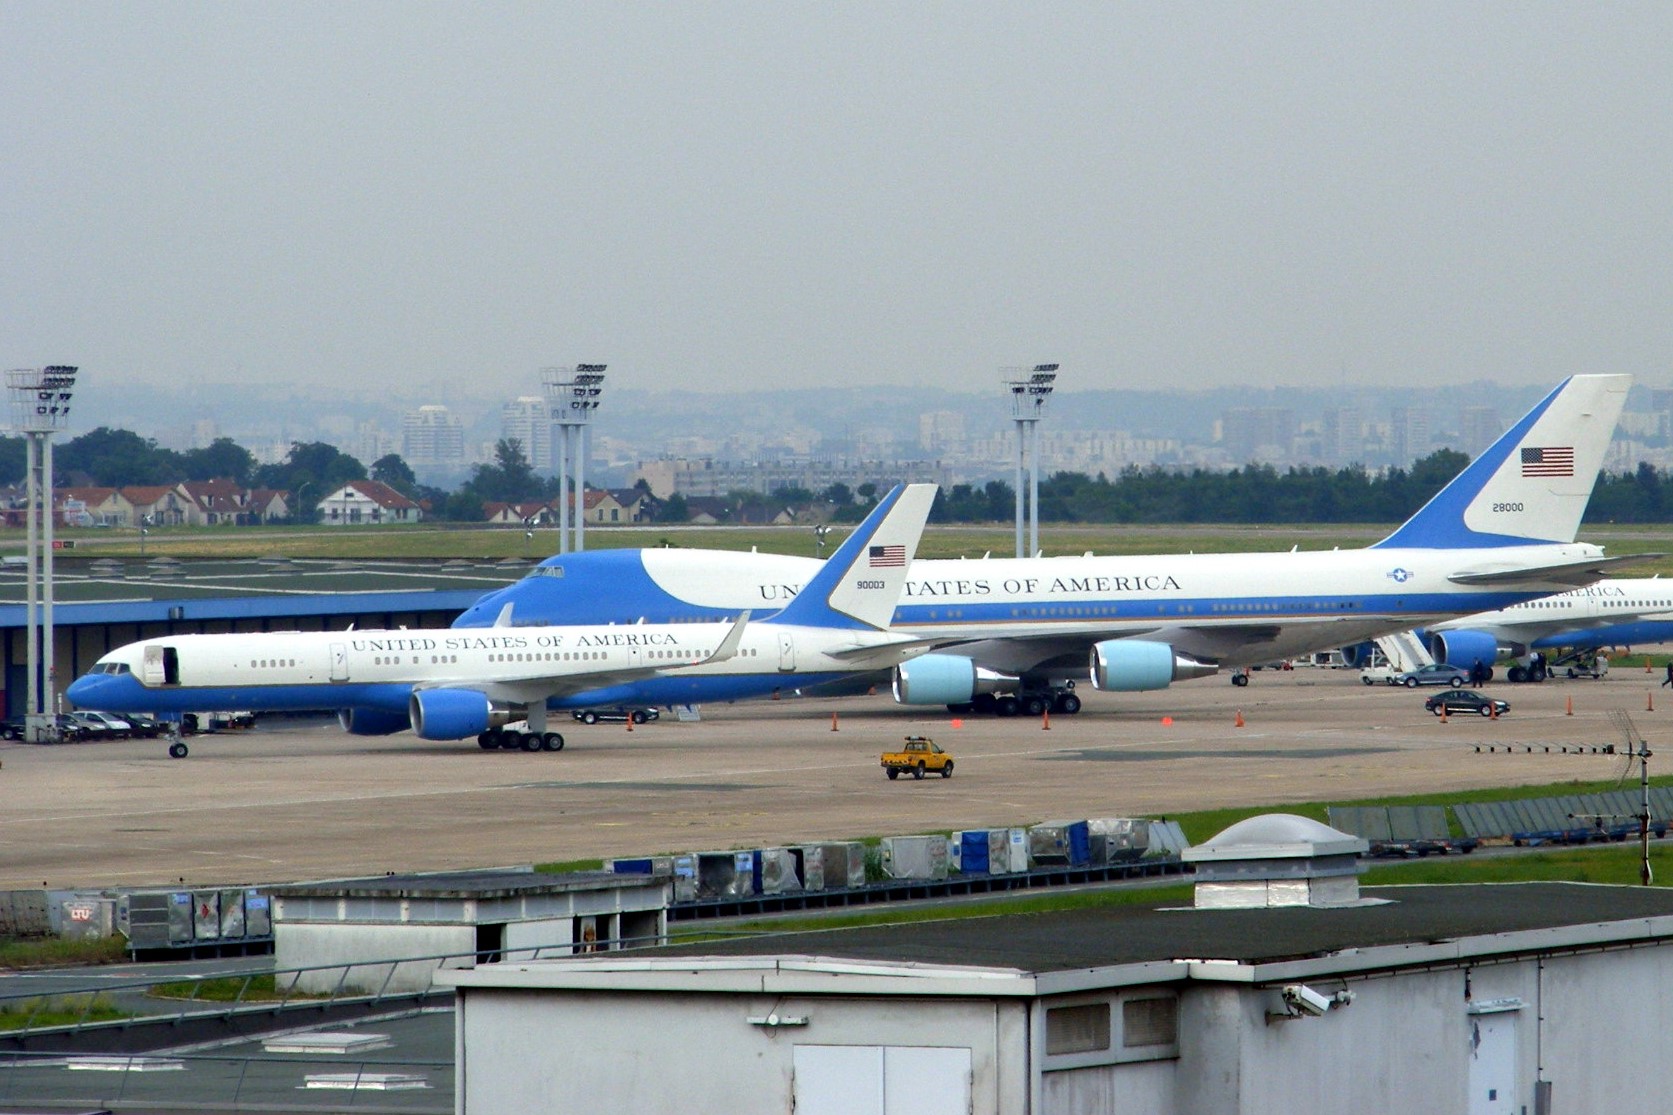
339 662
786 652
153 669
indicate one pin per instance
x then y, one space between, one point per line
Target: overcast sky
764 194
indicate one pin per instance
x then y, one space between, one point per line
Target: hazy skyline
751 195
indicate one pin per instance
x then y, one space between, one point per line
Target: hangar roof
135 590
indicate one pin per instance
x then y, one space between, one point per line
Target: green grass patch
59 1010
55 952
570 866
1200 826
1614 864
230 989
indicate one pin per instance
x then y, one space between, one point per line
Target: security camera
1300 997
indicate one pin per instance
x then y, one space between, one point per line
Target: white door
786 652
926 1081
838 1079
1492 1063
339 662
881 1080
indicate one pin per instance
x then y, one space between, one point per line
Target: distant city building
707 477
1478 427
1342 436
527 421
1258 433
940 431
372 443
432 437
1408 435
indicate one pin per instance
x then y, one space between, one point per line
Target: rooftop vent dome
1277 859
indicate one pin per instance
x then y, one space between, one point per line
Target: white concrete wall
1146 1086
1608 1032
311 945
579 1051
1401 1046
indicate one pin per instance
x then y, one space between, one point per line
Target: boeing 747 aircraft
451 684
1015 634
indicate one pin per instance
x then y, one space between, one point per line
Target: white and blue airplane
1013 635
452 684
1619 612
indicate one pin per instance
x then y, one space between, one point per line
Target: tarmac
299 800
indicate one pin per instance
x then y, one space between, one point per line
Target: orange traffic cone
1045 721
1650 701
1238 723
630 722
1570 711
1493 711
1646 663
833 722
1443 712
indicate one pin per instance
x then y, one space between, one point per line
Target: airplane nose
84 690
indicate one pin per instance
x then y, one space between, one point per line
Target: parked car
1436 673
102 725
144 727
1466 700
1385 674
620 715
12 728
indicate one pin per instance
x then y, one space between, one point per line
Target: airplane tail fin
861 583
1532 485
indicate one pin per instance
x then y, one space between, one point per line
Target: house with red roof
367 502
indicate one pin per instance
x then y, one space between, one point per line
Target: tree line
118 458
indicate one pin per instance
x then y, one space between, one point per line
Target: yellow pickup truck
918 757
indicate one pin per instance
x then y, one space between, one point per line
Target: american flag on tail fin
1549 460
887 557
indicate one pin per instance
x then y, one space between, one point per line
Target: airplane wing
1229 644
1579 573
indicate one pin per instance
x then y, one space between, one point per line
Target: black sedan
637 715
1466 700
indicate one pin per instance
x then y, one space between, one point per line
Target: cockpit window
111 668
547 571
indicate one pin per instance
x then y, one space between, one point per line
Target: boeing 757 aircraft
1013 635
1614 613
451 684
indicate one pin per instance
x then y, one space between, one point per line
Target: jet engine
1462 648
372 721
946 679
452 713
1131 665
1357 656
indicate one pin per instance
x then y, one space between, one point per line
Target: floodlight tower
1028 406
40 406
572 395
